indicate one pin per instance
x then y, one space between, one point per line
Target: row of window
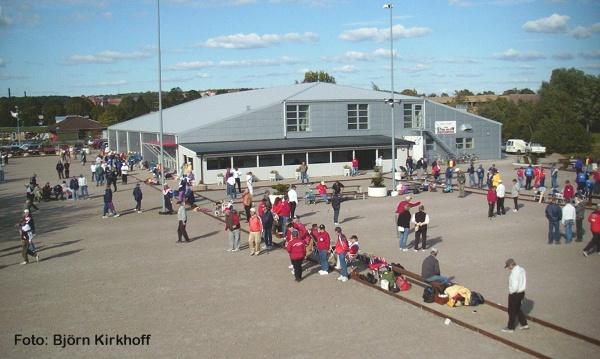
298 117
461 143
288 159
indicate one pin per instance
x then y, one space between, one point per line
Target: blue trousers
553 232
323 259
343 265
403 237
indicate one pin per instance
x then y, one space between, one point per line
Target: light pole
162 154
18 126
40 120
391 7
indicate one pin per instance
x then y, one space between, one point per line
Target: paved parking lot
127 276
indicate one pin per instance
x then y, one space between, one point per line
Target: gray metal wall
486 134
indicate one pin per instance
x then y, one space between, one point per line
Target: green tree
51 108
486 93
192 95
112 114
78 106
96 112
409 92
318 76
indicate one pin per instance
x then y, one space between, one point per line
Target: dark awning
294 144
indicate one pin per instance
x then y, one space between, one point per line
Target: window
294 158
297 118
386 153
407 115
318 157
429 145
464 143
269 160
358 117
218 163
341 156
244 161
412 115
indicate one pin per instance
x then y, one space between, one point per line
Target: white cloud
190 65
254 41
461 3
554 23
361 56
284 60
590 55
515 55
563 56
375 34
416 68
582 32
107 57
345 69
202 75
5 21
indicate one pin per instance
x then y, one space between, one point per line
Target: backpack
448 189
402 283
476 299
428 294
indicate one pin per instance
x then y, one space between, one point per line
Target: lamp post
391 7
40 120
18 126
162 155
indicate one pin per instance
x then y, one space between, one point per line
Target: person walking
255 229
137 196
568 219
554 215
100 175
420 220
594 221
83 187
341 249
247 202
500 194
293 199
323 246
108 205
471 172
579 215
297 251
59 169
461 179
517 283
514 192
26 235
182 220
336 203
232 226
303 173
491 200
67 167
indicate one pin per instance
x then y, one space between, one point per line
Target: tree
443 94
409 92
526 91
78 106
113 114
51 108
433 94
486 93
192 95
463 92
318 76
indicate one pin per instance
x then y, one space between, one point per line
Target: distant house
472 102
73 128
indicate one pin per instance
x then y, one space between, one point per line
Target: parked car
32 148
537 148
516 146
49 149
99 143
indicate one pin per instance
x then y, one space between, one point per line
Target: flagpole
162 154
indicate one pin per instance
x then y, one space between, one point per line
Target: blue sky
75 47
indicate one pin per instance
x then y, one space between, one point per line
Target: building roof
487 98
75 123
206 110
292 144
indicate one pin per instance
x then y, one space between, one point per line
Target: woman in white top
249 181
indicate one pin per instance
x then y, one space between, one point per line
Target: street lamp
160 116
40 120
391 7
16 115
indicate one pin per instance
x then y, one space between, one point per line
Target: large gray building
322 124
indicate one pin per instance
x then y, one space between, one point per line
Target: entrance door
366 159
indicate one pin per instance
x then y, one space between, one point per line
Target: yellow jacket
496 179
452 291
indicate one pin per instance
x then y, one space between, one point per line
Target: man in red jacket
297 251
341 249
255 229
594 220
406 204
323 245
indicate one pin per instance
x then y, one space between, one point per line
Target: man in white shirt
293 200
249 182
231 188
83 187
93 170
124 172
500 193
237 177
568 219
517 282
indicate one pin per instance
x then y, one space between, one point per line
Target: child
354 247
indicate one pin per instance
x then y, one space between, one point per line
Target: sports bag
402 283
476 299
428 295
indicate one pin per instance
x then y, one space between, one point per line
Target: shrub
281 188
377 179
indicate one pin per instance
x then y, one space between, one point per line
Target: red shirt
355 163
594 220
568 192
323 241
284 209
520 173
322 188
261 209
302 232
491 196
296 249
405 205
341 245
354 248
255 224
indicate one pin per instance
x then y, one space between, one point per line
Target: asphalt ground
127 275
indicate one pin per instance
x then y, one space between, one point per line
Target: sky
87 47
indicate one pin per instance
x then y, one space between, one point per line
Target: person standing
480 175
137 196
420 220
303 169
231 188
568 219
267 220
237 177
554 215
449 174
108 205
322 189
461 179
341 249
60 168
124 172
568 191
67 167
579 214
297 251
100 176
594 221
528 177
255 229
93 171
167 195
514 191
232 226
323 246
83 157
403 223
521 176
354 166
336 203
471 172
250 182
74 186
83 187
500 194
293 197
554 176
247 202
182 219
491 200
337 187
517 283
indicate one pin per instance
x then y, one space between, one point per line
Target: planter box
377 191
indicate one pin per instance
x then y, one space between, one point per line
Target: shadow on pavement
206 235
59 255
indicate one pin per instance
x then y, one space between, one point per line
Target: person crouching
297 250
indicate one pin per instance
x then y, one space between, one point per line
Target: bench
437 286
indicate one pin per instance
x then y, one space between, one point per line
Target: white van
516 146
